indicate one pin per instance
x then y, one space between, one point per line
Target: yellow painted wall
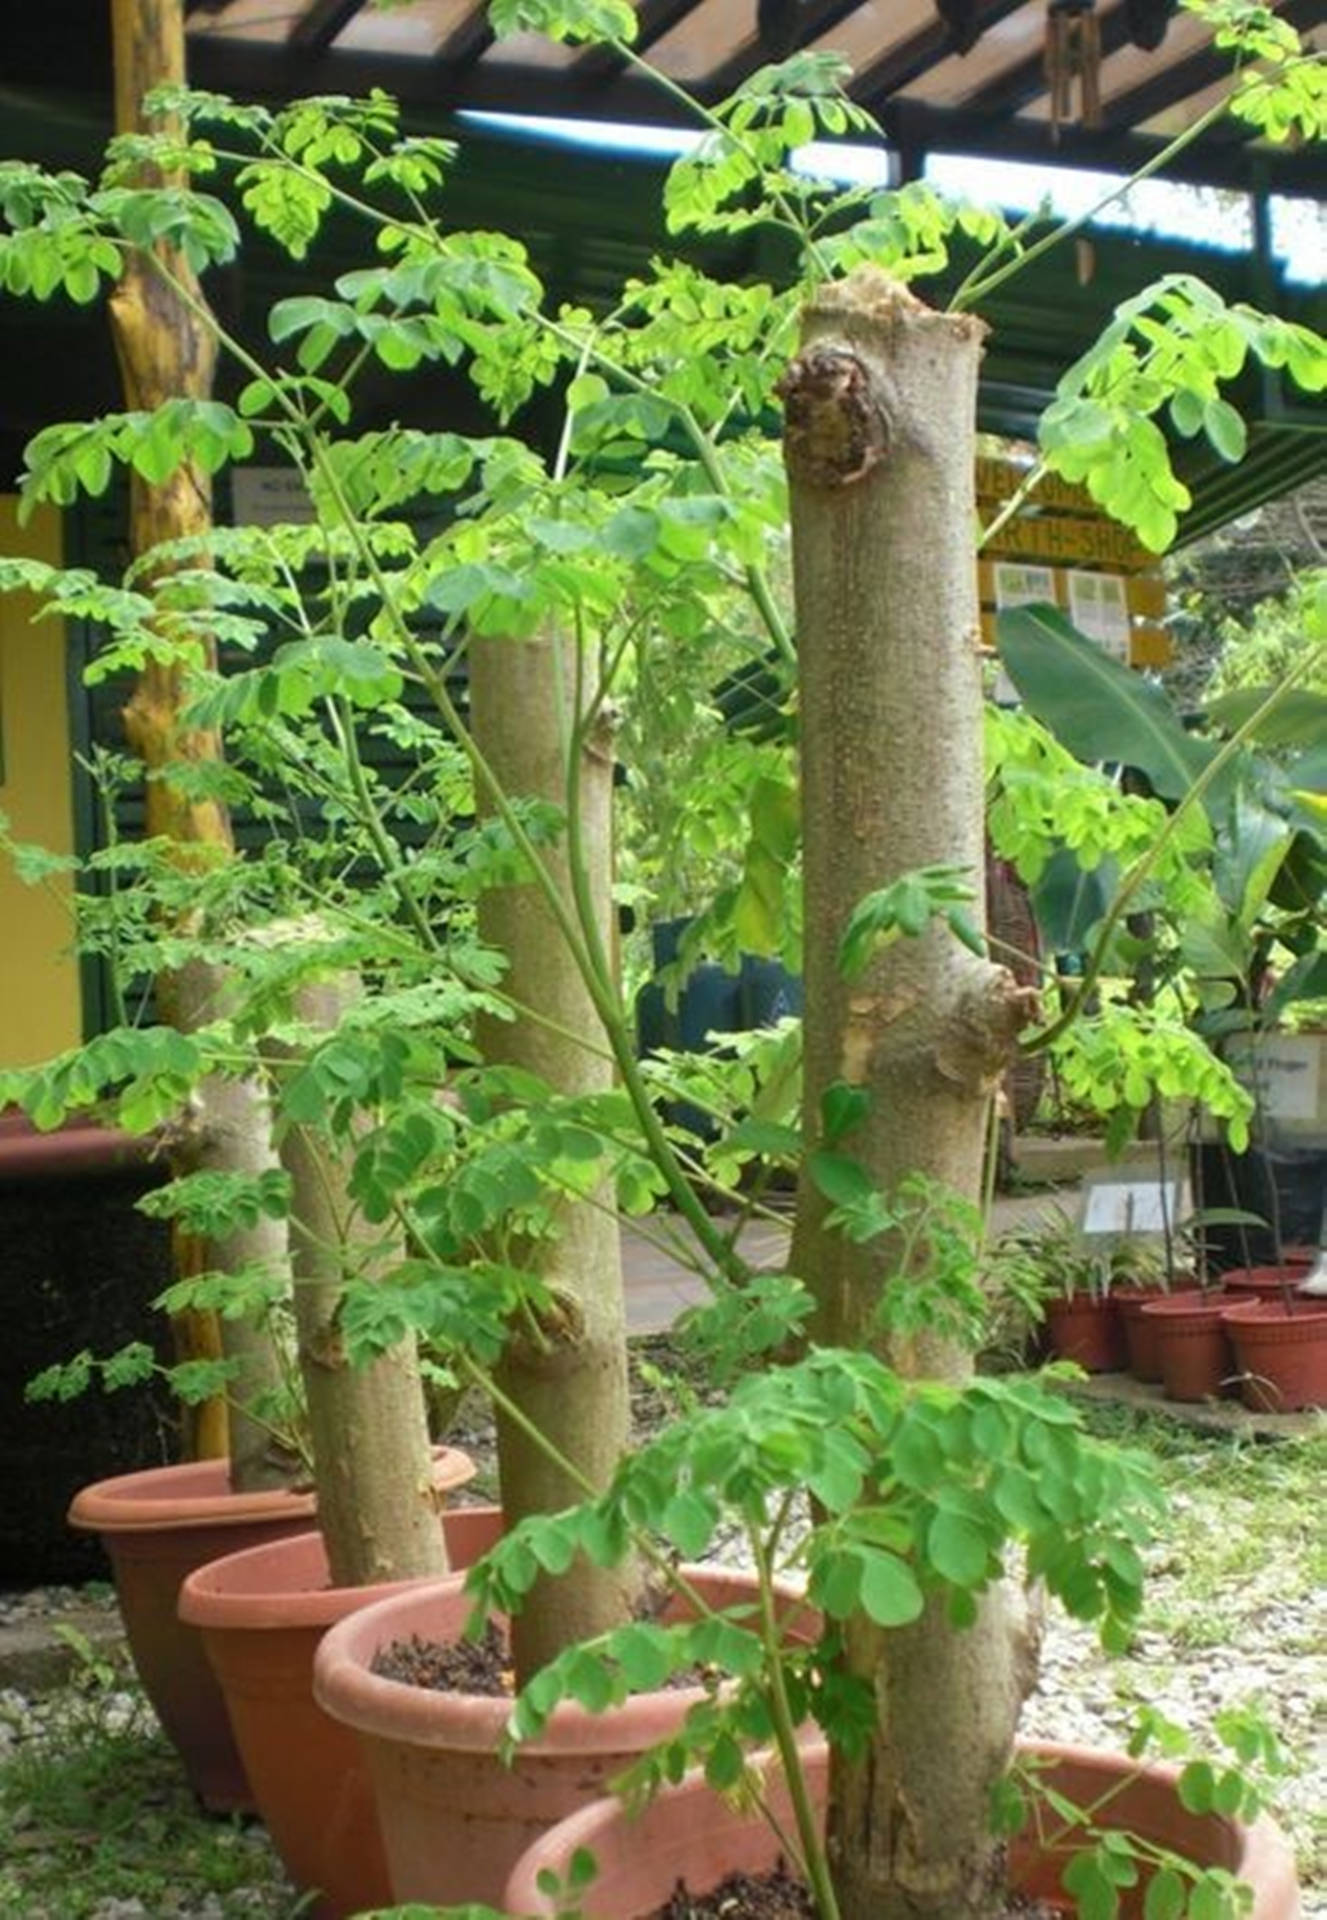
40 1010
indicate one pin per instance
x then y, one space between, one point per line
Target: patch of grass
1229 1501
94 1809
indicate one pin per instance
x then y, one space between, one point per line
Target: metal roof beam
901 65
654 18
814 18
1018 86
465 46
916 126
1194 73
250 71
318 28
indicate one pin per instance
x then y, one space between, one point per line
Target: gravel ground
1234 1617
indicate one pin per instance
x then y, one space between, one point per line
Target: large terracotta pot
1086 1329
454 1818
1281 1357
1196 1359
156 1527
688 1833
261 1614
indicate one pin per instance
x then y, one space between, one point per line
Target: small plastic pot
1281 1356
1196 1359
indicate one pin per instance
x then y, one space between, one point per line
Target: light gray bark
367 1426
568 1374
880 448
231 1132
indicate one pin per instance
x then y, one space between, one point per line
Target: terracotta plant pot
1086 1329
1264 1283
455 1819
157 1526
688 1833
1196 1360
1281 1357
261 1614
1140 1333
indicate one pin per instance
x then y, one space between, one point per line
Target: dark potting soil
483 1666
778 1896
480 1666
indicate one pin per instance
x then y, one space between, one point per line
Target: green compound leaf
956 1549
889 1590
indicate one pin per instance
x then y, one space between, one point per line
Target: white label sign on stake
1119 1207
1017 585
269 496
1284 1070
1099 609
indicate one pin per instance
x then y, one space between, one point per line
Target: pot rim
187 1493
393 1710
1271 1314
227 1594
1173 1306
195 1493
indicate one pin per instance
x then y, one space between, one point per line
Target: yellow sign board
1060 547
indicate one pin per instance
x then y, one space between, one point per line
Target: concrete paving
660 1284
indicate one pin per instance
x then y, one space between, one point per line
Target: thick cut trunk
880 446
367 1426
569 1375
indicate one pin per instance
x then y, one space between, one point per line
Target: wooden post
167 351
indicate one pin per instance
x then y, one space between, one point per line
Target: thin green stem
1035 473
814 1861
386 848
972 291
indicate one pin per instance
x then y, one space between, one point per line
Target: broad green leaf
1096 708
1068 903
1299 718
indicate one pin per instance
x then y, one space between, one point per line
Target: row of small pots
1201 1343
375 1791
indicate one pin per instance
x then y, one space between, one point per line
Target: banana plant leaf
1067 902
1308 771
1299 719
1098 709
1249 855
1306 980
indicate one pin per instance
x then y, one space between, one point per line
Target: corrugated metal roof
968 75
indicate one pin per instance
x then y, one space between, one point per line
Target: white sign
269 496
1020 586
1122 1207
1099 608
1284 1071
1017 585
